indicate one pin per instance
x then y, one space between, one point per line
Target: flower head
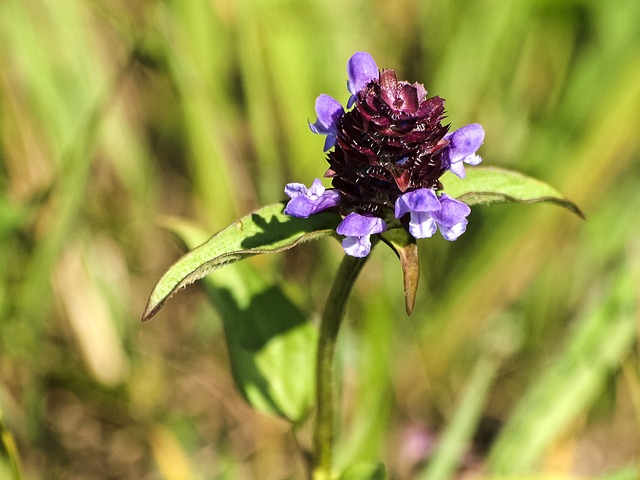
391 142
386 155
307 201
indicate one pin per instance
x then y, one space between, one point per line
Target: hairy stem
329 327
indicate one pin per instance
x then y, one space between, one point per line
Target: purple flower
358 230
429 212
362 70
420 204
387 152
329 112
452 217
389 143
307 201
463 145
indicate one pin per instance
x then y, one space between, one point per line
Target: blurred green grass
113 113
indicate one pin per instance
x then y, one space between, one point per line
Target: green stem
329 327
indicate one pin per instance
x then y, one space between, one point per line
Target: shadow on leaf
277 228
270 342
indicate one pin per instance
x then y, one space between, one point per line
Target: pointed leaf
266 230
270 342
484 185
404 246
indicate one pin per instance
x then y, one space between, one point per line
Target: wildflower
329 111
463 145
307 201
358 230
452 217
420 204
390 142
429 212
361 69
386 154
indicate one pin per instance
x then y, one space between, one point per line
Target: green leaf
365 471
271 344
484 185
404 246
266 230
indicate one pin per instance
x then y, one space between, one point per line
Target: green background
521 355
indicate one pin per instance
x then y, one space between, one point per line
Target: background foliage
521 355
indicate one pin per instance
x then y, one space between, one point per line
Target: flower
358 230
462 148
429 212
307 201
386 154
452 217
391 142
361 69
329 112
420 204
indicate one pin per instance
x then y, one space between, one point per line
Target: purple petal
329 142
473 159
305 202
458 169
329 112
452 217
329 199
356 225
422 225
304 206
316 188
452 233
357 246
421 200
452 212
294 190
361 69
301 207
358 229
464 143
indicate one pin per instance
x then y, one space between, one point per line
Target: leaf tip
575 209
569 205
409 303
150 310
405 248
